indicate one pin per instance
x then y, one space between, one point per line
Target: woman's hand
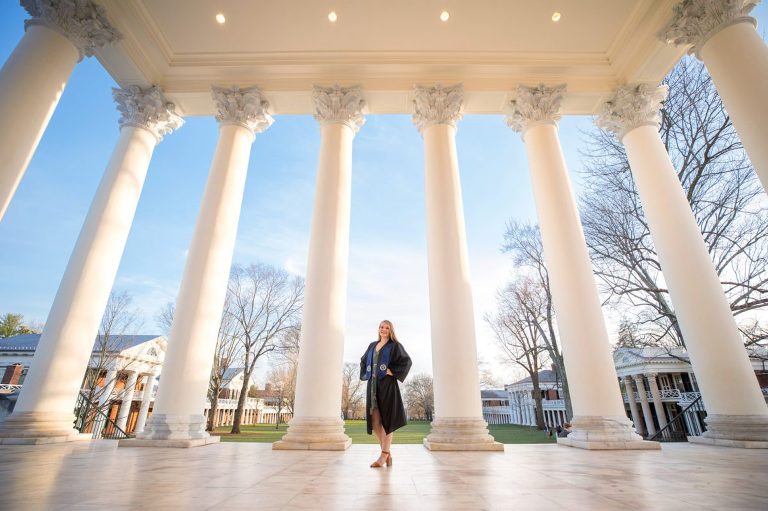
389 373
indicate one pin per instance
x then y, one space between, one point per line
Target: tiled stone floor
99 476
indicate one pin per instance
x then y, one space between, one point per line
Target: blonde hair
392 334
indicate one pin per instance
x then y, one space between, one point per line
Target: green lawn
413 433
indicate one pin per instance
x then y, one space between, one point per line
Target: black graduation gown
387 390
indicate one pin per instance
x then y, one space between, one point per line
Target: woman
383 361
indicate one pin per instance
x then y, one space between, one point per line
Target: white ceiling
388 46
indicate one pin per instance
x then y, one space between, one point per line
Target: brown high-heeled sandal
387 461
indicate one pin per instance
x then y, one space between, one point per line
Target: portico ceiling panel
387 47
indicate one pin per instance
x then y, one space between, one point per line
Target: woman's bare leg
378 430
386 442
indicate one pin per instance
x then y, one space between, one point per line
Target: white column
633 405
650 427
109 385
178 414
34 76
127 400
599 417
735 406
458 423
723 36
316 423
146 400
657 402
47 401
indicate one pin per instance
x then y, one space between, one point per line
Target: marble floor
99 476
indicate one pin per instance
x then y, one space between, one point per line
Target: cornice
145 57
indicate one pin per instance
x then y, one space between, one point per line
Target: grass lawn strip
413 433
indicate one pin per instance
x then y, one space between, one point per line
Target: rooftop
28 342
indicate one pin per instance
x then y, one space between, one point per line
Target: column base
32 428
605 433
163 429
196 442
460 434
314 434
735 431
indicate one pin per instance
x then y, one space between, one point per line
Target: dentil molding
83 22
695 21
534 106
630 107
339 105
437 105
243 107
146 108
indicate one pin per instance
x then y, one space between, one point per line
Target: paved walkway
231 476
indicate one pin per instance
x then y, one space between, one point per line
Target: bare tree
516 325
285 364
266 302
164 318
352 391
118 319
523 243
488 380
420 397
724 194
227 346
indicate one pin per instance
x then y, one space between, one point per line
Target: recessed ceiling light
220 19
332 17
555 16
444 16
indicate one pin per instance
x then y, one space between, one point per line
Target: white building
522 404
124 385
658 385
496 408
264 408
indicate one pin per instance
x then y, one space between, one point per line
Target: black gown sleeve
400 362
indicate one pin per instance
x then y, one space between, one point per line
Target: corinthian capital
339 105
632 106
534 106
243 107
695 21
437 105
148 109
83 22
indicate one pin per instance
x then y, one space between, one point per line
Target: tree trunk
212 412
537 399
241 402
566 392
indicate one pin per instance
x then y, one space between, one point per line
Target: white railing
553 404
496 409
687 398
666 395
7 388
251 403
670 394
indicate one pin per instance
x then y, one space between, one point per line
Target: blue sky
387 263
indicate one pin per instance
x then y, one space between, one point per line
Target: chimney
12 374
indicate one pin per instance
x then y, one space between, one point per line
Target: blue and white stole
384 355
